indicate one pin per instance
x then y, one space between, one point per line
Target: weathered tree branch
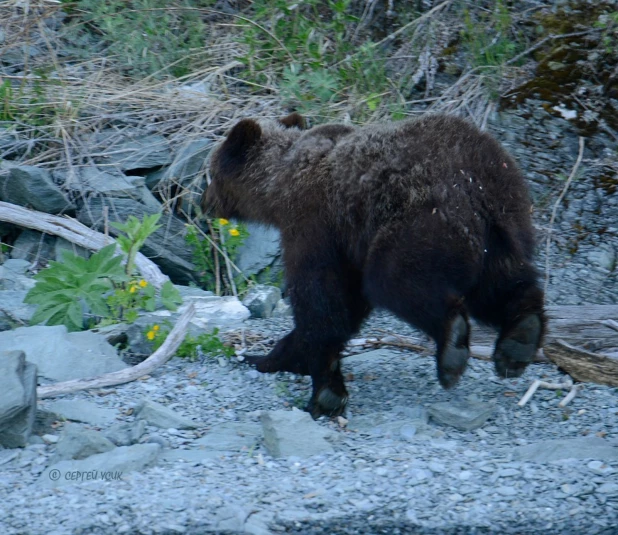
158 358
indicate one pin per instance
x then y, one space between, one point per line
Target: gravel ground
441 481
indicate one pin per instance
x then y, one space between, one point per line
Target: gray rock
186 166
27 185
603 256
575 448
33 246
61 245
260 249
166 246
464 415
15 266
160 416
131 150
126 434
294 432
210 312
59 355
13 311
610 489
78 443
17 399
282 309
396 425
6 456
110 465
261 300
92 180
79 410
231 437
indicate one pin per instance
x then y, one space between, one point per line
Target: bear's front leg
288 355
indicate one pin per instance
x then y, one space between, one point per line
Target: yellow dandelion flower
155 328
150 335
132 289
223 222
143 283
234 232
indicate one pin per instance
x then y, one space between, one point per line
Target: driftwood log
583 365
73 231
578 325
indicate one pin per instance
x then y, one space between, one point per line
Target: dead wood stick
555 209
158 358
72 230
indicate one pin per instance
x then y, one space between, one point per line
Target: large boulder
27 185
17 398
33 246
60 355
130 150
260 251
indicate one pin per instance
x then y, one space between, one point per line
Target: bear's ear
294 120
241 138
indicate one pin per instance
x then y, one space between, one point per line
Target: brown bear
428 218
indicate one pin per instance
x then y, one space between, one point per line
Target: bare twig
545 40
555 209
568 383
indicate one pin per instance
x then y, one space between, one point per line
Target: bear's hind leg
422 279
512 301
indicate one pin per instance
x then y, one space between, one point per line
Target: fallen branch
158 358
77 233
583 365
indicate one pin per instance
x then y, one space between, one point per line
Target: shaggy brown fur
428 218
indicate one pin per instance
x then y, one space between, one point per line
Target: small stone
436 467
160 416
600 468
610 489
506 491
464 415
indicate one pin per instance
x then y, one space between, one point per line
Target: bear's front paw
517 348
326 402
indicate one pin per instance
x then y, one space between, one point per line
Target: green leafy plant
210 259
307 50
489 41
77 290
192 346
66 290
134 294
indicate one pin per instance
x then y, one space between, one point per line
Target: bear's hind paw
326 403
517 349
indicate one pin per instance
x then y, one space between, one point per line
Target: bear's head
243 165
